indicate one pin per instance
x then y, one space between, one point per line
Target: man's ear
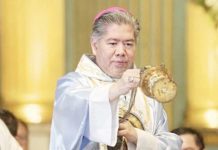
94 46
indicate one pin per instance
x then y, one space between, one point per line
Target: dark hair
10 120
197 135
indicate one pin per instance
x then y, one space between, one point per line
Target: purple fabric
109 10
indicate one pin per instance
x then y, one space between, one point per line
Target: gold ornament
158 84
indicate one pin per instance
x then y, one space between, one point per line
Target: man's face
22 136
189 142
115 50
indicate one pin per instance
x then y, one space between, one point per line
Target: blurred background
41 40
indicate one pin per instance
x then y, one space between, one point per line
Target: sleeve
157 136
82 114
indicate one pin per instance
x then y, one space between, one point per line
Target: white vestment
83 117
7 141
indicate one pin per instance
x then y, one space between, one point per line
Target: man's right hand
129 80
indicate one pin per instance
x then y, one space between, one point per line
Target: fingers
133 81
123 128
129 80
132 77
131 74
128 131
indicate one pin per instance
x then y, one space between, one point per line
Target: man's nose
120 49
